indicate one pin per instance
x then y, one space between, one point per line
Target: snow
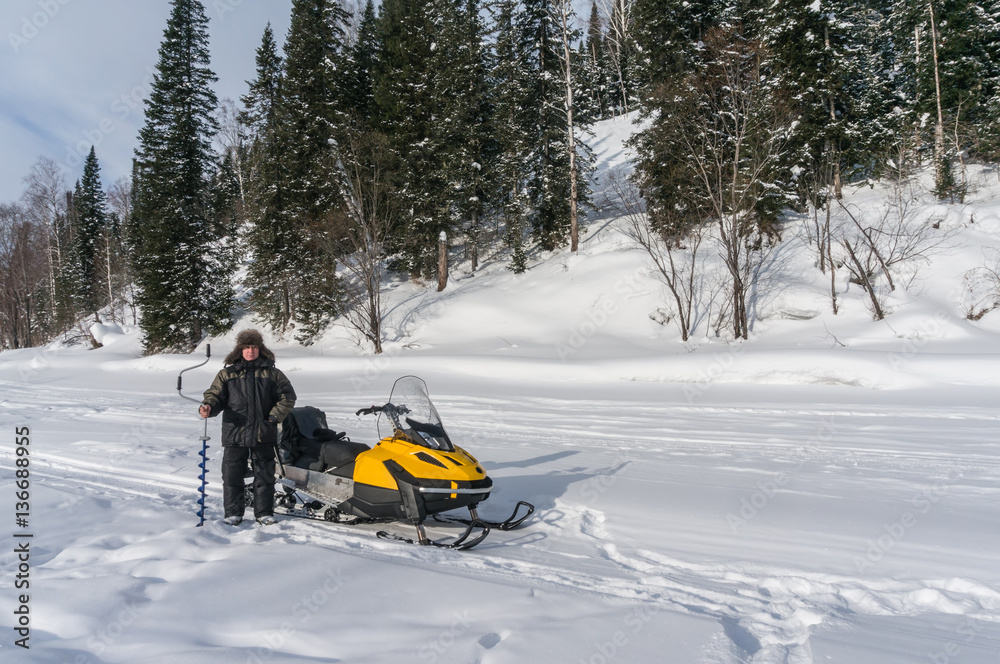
824 492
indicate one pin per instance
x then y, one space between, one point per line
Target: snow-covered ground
824 492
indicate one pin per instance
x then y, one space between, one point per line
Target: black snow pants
234 467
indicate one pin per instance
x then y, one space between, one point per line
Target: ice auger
204 438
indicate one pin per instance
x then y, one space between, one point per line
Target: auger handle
208 355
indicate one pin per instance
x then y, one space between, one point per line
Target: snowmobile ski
510 523
462 543
290 503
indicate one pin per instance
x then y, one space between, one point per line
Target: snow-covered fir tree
361 99
595 72
667 35
620 51
311 116
403 92
260 103
948 64
226 209
90 220
461 133
270 235
181 284
512 124
548 157
871 129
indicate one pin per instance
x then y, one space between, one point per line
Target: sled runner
414 472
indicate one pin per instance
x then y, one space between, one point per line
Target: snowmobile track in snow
768 613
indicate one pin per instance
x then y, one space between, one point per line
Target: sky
75 73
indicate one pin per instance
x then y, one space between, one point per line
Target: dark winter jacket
252 397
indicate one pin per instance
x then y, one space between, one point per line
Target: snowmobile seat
307 443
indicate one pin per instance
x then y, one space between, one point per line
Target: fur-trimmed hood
248 338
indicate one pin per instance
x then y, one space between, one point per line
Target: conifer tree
668 33
548 158
594 71
365 51
461 131
513 128
261 100
270 235
948 62
172 226
621 56
91 218
872 122
402 90
225 212
311 118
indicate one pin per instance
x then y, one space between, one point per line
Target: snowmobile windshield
410 410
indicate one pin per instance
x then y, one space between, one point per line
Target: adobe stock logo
32 24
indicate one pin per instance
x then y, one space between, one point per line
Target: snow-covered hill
824 492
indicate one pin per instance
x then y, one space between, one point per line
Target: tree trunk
107 265
474 236
374 317
940 163
570 129
442 261
838 187
286 307
826 244
867 284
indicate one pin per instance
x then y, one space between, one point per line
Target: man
253 397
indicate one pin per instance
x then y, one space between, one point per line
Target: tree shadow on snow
576 485
526 463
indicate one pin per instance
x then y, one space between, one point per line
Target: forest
387 141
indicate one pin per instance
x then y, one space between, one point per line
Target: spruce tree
261 100
513 127
403 90
668 34
805 50
621 55
225 213
595 71
548 159
361 98
90 219
270 236
461 134
312 115
873 124
172 225
949 71
988 147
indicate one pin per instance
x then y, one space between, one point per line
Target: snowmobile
414 472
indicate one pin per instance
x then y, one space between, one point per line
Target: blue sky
76 72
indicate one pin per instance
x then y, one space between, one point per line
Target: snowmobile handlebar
391 410
208 356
